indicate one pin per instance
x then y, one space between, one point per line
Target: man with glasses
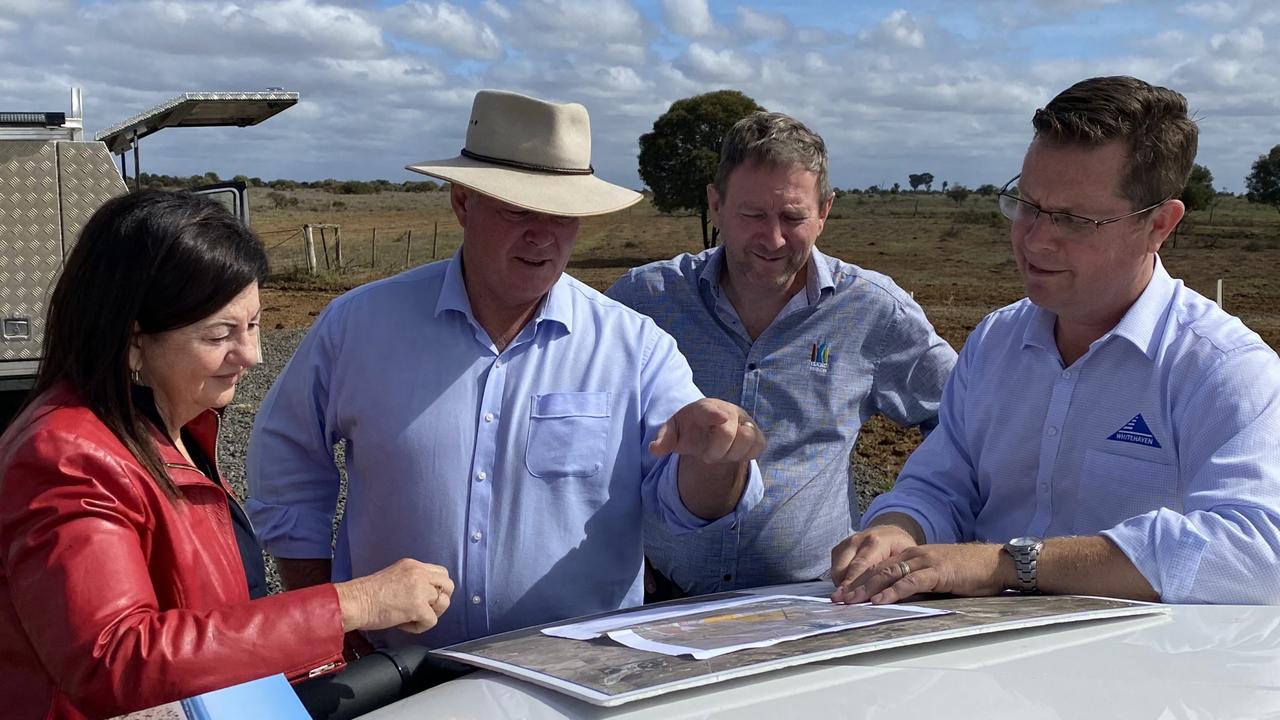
1114 433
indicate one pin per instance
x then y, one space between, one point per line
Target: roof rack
194 109
198 109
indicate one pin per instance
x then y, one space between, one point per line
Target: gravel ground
237 421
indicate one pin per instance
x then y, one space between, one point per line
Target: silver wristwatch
1025 552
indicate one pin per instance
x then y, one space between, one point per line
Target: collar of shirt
819 283
556 305
1142 324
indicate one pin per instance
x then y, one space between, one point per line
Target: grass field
955 259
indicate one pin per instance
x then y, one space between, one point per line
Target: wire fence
339 249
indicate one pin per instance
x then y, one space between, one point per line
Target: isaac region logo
820 357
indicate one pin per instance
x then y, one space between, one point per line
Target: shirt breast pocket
1115 488
568 433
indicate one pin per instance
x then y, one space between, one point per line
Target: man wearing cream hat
500 418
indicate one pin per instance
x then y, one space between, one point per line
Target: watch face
1024 542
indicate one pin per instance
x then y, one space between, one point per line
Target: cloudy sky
940 86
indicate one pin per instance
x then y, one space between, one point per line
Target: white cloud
950 91
762 25
811 37
445 26
725 65
1164 40
900 29
1216 12
571 24
1238 44
690 18
34 8
226 29
1074 5
617 80
497 10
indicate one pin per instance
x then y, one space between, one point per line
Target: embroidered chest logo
1136 431
820 357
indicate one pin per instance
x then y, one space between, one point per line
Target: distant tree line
338 187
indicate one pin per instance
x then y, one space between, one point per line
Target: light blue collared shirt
525 473
1163 437
850 345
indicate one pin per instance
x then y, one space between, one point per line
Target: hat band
528 166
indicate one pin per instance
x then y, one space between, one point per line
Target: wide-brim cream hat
531 153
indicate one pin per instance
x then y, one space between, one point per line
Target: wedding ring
747 424
904 568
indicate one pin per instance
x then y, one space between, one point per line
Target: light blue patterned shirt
1163 437
851 345
525 473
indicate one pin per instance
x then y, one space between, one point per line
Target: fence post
337 246
373 250
309 245
408 243
324 245
435 234
1220 293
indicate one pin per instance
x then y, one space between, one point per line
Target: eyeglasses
1024 212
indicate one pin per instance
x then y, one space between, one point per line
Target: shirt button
488 417
1052 431
475 536
1066 374
475 599
751 366
727 577
480 476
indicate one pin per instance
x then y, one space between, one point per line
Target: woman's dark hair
153 260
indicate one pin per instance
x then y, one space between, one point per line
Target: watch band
1026 556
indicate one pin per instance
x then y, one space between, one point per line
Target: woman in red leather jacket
125 560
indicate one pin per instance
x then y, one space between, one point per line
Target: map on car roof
604 672
708 629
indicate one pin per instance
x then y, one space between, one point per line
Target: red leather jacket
113 597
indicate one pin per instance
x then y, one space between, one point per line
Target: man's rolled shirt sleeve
293 482
1225 546
666 386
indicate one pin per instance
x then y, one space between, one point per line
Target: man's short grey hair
771 138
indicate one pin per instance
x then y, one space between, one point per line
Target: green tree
1198 193
678 158
958 194
915 180
1263 183
987 190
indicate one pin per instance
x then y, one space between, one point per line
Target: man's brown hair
772 138
1152 121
